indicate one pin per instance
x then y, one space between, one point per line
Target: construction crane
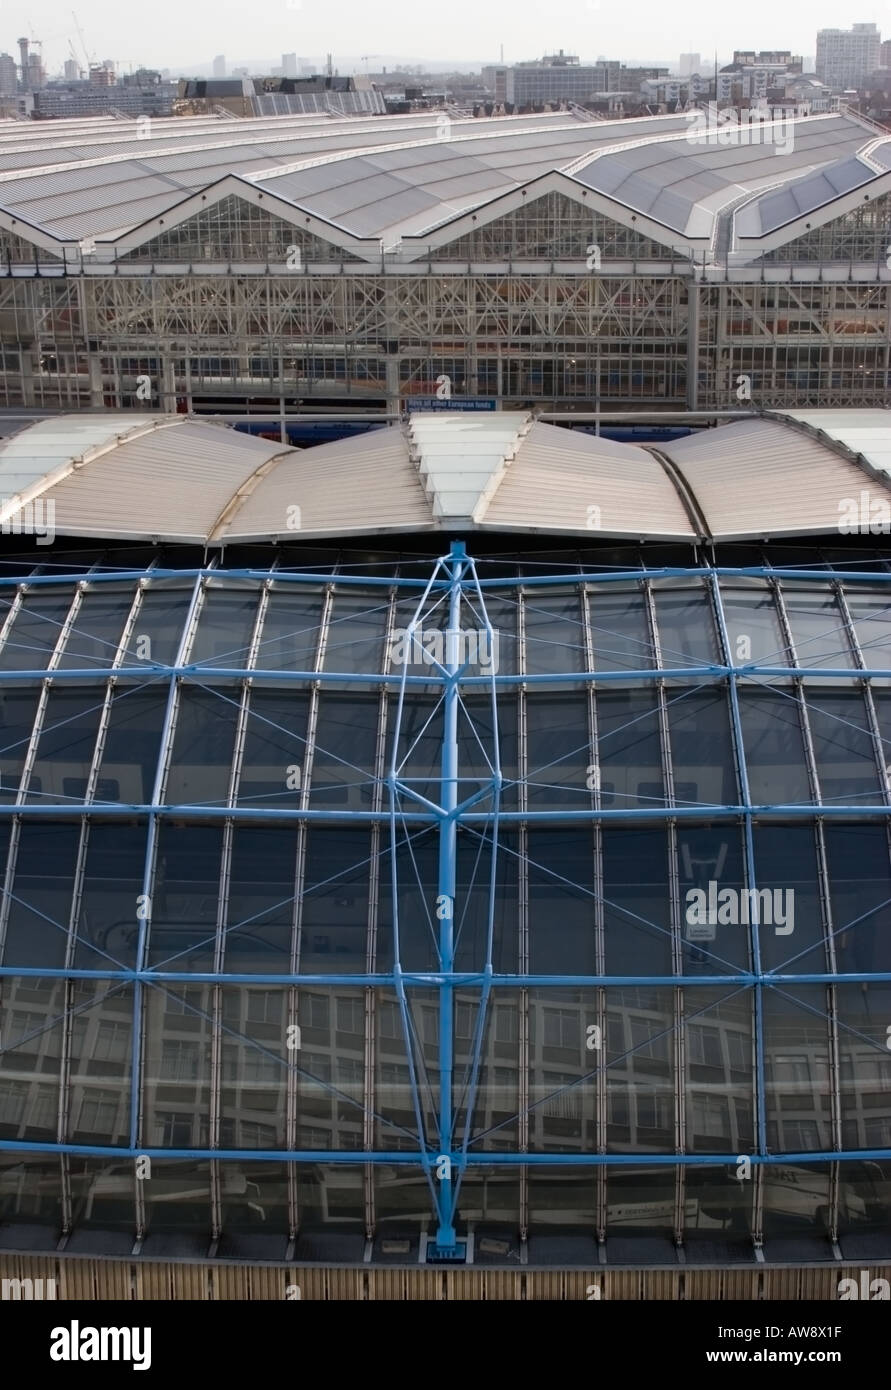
363 57
80 35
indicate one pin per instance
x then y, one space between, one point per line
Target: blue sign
451 403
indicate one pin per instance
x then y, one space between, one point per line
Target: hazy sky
177 33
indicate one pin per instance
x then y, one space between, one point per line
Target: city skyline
590 28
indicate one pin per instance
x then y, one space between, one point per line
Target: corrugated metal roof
561 480
168 482
190 479
363 484
391 176
865 432
761 477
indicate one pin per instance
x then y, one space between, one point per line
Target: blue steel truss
446 1148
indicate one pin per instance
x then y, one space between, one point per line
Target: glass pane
701 749
818 628
132 743
719 1082
185 898
225 625
203 746
860 887
555 637
865 1065
345 751
774 748
30 1189
637 910
335 901
630 749
355 639
18 705
66 745
94 639
753 625
102 1031
843 748
562 902
274 758
289 639
108 926
40 905
796 1046
158 628
33 1031
261 906
714 908
255 1063
791 929
686 627
559 752
620 629
176 1067
563 1071
35 630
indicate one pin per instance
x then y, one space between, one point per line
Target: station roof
191 479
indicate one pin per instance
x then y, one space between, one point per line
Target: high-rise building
689 63
26 75
847 57
885 54
289 65
71 70
36 74
8 82
101 75
219 66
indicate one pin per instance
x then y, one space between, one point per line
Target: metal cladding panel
759 478
171 483
558 476
43 447
361 484
866 432
815 189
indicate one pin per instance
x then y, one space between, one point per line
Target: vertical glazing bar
446 894
374 886
74 918
143 908
600 1088
312 722
216 993
825 910
523 948
751 881
678 1035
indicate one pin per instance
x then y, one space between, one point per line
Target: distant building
885 54
149 98
101 75
289 65
71 70
281 96
219 66
689 63
561 77
8 82
767 58
36 73
847 57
